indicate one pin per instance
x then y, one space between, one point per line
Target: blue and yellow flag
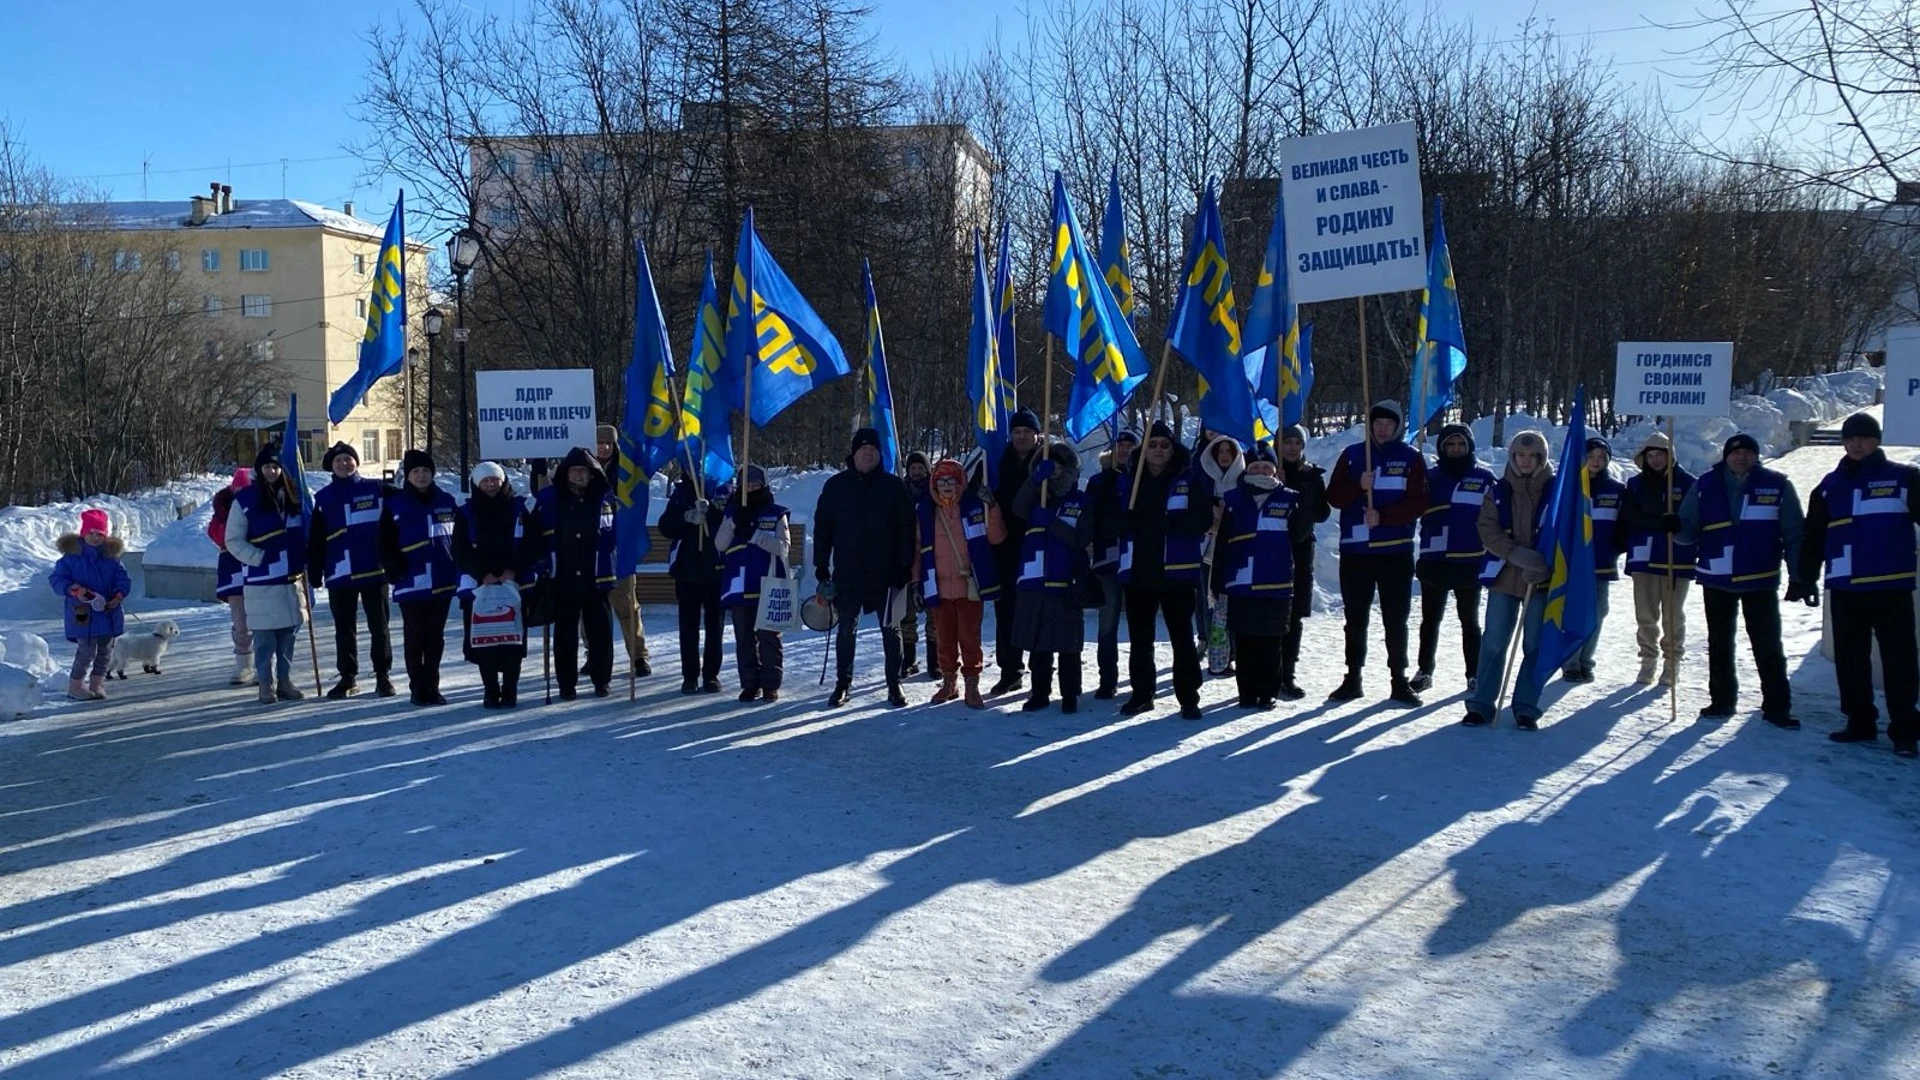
1440 344
648 424
1278 359
986 389
1206 330
1566 539
1003 329
1116 261
879 388
1082 313
772 330
713 392
383 347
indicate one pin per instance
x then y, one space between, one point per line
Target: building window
253 259
86 262
260 352
503 164
370 444
173 262
596 161
360 309
359 264
127 262
393 444
211 307
544 164
175 305
256 306
503 217
210 260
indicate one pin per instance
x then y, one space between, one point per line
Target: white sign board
1900 420
1353 209
1673 378
529 414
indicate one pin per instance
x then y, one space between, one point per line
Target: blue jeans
273 655
1112 608
1601 590
1502 612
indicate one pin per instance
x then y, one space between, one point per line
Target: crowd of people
1183 544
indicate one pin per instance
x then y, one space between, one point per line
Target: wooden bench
656 587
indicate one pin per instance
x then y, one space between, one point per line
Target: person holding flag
1107 496
1605 493
1017 462
1510 525
270 540
575 519
1161 533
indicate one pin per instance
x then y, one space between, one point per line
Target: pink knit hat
242 477
94 521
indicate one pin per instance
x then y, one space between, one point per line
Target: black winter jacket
864 534
696 559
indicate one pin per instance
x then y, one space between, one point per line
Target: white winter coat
269 607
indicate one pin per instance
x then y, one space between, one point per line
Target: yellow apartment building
292 280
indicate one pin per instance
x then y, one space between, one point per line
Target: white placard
1673 378
529 414
1900 420
1353 207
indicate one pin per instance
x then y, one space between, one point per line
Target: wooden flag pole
1159 382
313 645
1046 412
1673 688
1366 395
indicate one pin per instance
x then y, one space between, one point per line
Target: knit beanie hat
415 459
1860 425
94 520
242 477
607 433
269 455
914 457
1741 441
336 452
1448 431
866 436
756 475
1024 418
1262 452
1160 430
1386 409
1127 435
488 470
1295 432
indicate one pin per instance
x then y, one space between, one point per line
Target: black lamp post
432 322
463 250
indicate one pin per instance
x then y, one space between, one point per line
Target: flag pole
1366 396
1046 412
1159 382
693 469
1673 688
313 646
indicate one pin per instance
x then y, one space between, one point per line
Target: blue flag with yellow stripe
1440 343
648 423
1206 330
1566 540
879 388
712 394
383 345
1116 261
774 332
1003 329
1278 357
1081 311
986 389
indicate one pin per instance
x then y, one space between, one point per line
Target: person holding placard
1860 524
1661 567
756 541
1606 493
1451 551
1745 520
1378 509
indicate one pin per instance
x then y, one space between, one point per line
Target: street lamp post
413 361
432 322
463 250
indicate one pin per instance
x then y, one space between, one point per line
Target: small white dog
144 649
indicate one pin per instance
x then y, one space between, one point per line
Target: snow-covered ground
193 886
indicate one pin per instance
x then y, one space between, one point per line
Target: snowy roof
246 214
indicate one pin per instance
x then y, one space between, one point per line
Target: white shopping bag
1219 645
497 619
779 605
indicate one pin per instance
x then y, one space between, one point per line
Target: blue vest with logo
282 538
1392 472
524 569
1503 501
425 530
1607 493
350 510
1870 534
744 565
546 507
1184 560
972 532
229 576
1741 547
1048 563
1647 551
1257 543
1450 529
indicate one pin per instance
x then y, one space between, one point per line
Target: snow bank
28 533
19 692
28 651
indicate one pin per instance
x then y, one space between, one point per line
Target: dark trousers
1009 660
346 602
1858 618
760 655
573 613
1301 609
1762 610
1258 672
1043 665
423 633
847 610
1113 606
1174 605
699 604
1463 586
499 667
1361 575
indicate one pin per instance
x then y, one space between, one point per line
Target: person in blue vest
576 520
1378 511
1310 482
1514 572
1745 520
345 554
1160 536
1103 492
863 550
416 544
919 476
1607 494
1262 524
1661 567
958 574
230 579
755 541
1450 550
494 544
1048 622
689 523
1860 522
270 540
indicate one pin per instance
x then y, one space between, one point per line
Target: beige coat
1528 492
269 607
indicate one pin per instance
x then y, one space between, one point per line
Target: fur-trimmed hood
70 544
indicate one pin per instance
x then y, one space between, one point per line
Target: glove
97 602
115 602
1042 471
701 506
1670 523
1529 561
986 496
826 589
78 592
695 516
1804 593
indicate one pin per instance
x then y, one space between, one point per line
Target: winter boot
1009 682
267 696
345 688
1042 695
1402 693
1422 680
1136 705
910 664
97 688
490 686
974 700
895 698
286 691
1647 667
77 690
242 670
751 693
949 690
382 685
1526 723
1348 690
510 687
842 689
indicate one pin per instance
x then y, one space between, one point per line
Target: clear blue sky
94 89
